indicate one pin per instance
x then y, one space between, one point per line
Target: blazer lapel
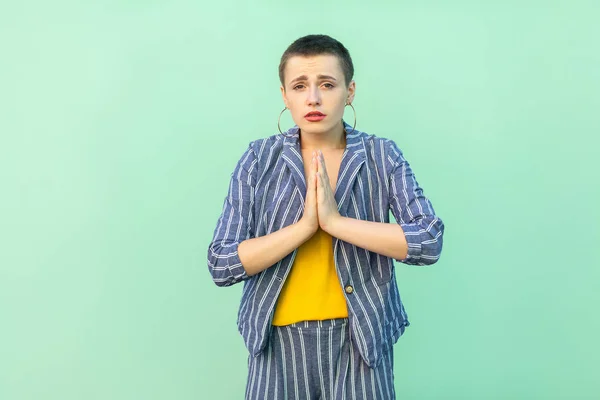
352 160
292 157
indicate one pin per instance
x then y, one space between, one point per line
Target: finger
310 182
321 189
323 172
314 170
322 163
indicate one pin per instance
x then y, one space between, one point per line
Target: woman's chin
314 128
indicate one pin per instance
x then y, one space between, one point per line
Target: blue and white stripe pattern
316 360
266 193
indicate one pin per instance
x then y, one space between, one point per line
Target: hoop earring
278 119
354 126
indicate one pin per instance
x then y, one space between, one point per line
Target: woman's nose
314 96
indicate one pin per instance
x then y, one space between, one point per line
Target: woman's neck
326 141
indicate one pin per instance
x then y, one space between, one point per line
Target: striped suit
313 360
266 193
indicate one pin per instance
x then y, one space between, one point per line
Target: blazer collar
352 159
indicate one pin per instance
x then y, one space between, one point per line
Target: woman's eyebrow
320 77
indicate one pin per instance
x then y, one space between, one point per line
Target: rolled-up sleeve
234 224
414 213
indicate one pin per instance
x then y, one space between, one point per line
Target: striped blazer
267 192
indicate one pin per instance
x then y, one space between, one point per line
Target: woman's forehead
312 66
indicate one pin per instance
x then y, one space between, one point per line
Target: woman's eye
328 85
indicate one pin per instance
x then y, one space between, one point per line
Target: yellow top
312 290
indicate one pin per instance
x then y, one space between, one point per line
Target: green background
121 123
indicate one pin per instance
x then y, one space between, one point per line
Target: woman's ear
351 91
283 96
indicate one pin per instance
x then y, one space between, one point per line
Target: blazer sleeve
234 224
414 213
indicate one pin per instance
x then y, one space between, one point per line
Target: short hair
314 45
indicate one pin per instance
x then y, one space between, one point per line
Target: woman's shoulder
381 142
383 149
275 142
259 145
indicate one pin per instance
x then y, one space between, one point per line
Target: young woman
305 226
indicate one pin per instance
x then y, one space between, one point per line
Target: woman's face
316 83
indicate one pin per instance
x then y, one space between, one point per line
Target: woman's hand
326 205
310 216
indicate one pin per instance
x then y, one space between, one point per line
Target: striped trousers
314 360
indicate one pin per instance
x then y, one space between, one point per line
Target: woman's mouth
314 116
